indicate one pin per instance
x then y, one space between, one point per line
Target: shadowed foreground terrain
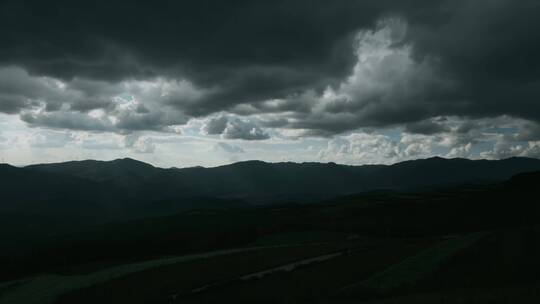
470 240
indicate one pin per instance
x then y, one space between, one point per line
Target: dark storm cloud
472 59
67 120
426 127
19 90
491 48
68 39
249 50
11 104
126 121
215 125
157 121
467 58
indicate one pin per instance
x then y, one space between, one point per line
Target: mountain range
127 187
93 210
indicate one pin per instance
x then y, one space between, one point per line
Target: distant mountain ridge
127 186
256 178
42 200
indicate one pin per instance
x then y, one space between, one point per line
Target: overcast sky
186 83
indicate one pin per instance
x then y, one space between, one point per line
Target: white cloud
82 104
140 144
360 148
463 151
238 128
508 148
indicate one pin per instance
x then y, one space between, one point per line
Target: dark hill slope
257 181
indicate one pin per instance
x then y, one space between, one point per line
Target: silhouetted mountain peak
6 169
436 158
130 163
249 162
92 162
6 166
124 171
262 182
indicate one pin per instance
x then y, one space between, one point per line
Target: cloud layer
439 72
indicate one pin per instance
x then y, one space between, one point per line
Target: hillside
72 195
364 246
262 182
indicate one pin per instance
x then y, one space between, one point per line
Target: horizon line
268 162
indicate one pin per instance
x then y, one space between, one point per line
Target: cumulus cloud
95 105
360 148
387 86
140 144
511 145
19 90
461 151
414 145
238 128
375 148
233 127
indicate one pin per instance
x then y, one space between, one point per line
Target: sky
207 83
